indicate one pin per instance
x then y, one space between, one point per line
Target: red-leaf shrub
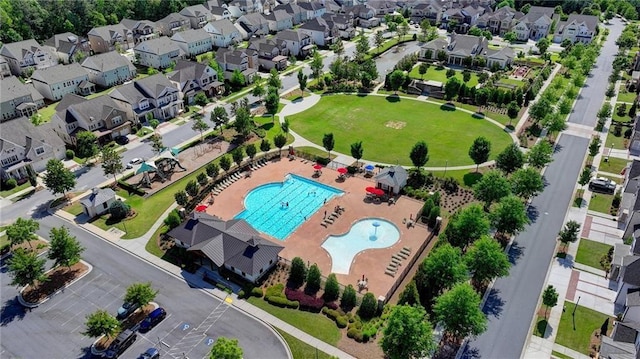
306 301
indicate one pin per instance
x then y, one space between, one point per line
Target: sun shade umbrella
317 167
369 167
378 191
201 208
342 170
370 189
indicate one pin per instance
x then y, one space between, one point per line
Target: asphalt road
512 301
195 319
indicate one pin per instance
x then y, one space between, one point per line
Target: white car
134 162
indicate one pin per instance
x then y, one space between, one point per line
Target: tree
570 232
408 334
543 44
410 295
22 230
422 69
279 141
154 123
491 188
450 73
274 79
525 8
512 111
272 101
316 64
64 249
181 197
265 145
466 75
225 348
200 125
297 272
258 88
451 88
140 294
225 163
200 99
302 80
58 179
357 151
362 46
156 143
313 280
111 162
237 80
348 299
540 154
237 155
26 268
243 123
328 142
219 116
540 109
36 119
594 146
331 288
549 298
526 182
509 216
510 37
251 151
403 30
510 159
338 47
368 307
585 176
486 260
119 210
466 226
86 144
475 31
442 269
378 39
396 79
458 310
101 323
419 154
479 151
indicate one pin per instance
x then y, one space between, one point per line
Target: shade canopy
342 170
146 167
317 167
201 208
369 167
375 191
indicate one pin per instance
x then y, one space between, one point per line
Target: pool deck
306 240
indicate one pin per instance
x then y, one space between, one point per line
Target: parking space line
198 334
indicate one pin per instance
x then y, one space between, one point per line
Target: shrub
306 301
212 170
450 184
11 183
260 132
282 302
616 200
173 219
69 154
426 208
342 321
181 197
257 292
369 306
331 288
433 216
355 334
241 294
192 188
275 291
617 129
119 210
331 305
348 300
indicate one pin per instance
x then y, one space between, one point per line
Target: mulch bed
38 246
135 318
57 279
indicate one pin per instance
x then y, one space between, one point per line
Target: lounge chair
396 261
405 252
334 215
323 224
388 272
408 249
396 257
392 269
402 255
392 265
328 221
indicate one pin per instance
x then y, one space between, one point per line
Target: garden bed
56 280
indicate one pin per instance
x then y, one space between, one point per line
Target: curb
26 304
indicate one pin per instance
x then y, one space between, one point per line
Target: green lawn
4 240
75 208
590 252
152 245
15 189
441 75
618 142
389 132
626 96
300 349
316 325
99 93
560 355
48 111
586 322
619 118
503 119
613 165
509 81
316 152
600 202
466 178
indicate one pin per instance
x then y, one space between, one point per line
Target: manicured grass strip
560 355
15 189
76 208
316 325
300 349
590 252
436 74
626 97
390 126
152 244
618 142
466 178
613 165
601 202
623 118
586 322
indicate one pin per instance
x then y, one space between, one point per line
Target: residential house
223 33
341 22
243 60
298 14
634 141
635 79
463 18
364 15
173 23
383 7
158 53
193 77
431 11
110 38
55 82
193 42
253 24
26 148
220 13
141 30
100 115
577 28
279 20
248 6
98 202
314 9
635 66
5 71
109 69
198 15
535 25
155 96
624 342
320 32
68 47
460 47
297 43
18 99
500 21
234 245
271 53
23 57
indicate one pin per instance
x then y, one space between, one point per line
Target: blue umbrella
369 167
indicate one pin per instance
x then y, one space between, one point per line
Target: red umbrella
342 170
317 167
378 191
370 189
201 208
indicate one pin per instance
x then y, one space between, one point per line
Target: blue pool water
266 209
364 234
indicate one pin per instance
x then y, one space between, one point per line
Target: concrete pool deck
306 240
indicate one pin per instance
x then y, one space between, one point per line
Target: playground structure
161 168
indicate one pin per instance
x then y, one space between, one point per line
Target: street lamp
573 315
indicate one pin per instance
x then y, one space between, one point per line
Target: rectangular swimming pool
279 208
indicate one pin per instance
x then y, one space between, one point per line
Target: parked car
133 162
151 353
126 309
152 319
602 184
122 342
122 140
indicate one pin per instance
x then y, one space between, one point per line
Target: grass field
613 165
441 75
300 349
586 322
316 325
626 97
600 202
590 252
390 127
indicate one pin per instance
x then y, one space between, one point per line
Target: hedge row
306 301
282 302
341 320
